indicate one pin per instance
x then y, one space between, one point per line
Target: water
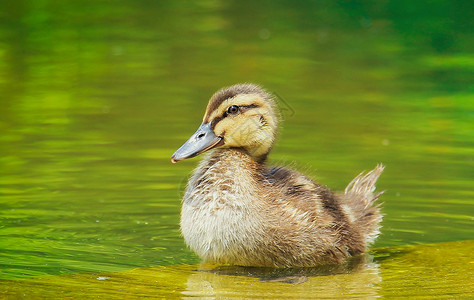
95 97
428 271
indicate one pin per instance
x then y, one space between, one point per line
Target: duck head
241 116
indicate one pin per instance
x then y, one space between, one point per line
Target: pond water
95 97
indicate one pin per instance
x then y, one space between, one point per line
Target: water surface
95 97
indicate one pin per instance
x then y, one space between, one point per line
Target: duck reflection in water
357 276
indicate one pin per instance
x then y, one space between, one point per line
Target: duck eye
233 110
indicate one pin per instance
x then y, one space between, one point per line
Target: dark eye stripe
220 118
249 106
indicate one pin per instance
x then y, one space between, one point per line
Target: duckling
237 210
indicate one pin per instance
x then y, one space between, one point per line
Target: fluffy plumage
237 210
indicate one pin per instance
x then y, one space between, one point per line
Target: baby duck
237 210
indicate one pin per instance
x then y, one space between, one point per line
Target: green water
95 96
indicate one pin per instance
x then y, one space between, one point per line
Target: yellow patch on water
433 271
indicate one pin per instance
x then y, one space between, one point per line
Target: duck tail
360 197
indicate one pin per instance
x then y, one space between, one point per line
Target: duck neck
235 158
226 175
259 156
250 156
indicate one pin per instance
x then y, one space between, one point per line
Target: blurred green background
95 96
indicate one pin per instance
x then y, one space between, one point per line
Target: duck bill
202 140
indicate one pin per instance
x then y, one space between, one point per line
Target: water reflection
363 283
360 276
355 264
